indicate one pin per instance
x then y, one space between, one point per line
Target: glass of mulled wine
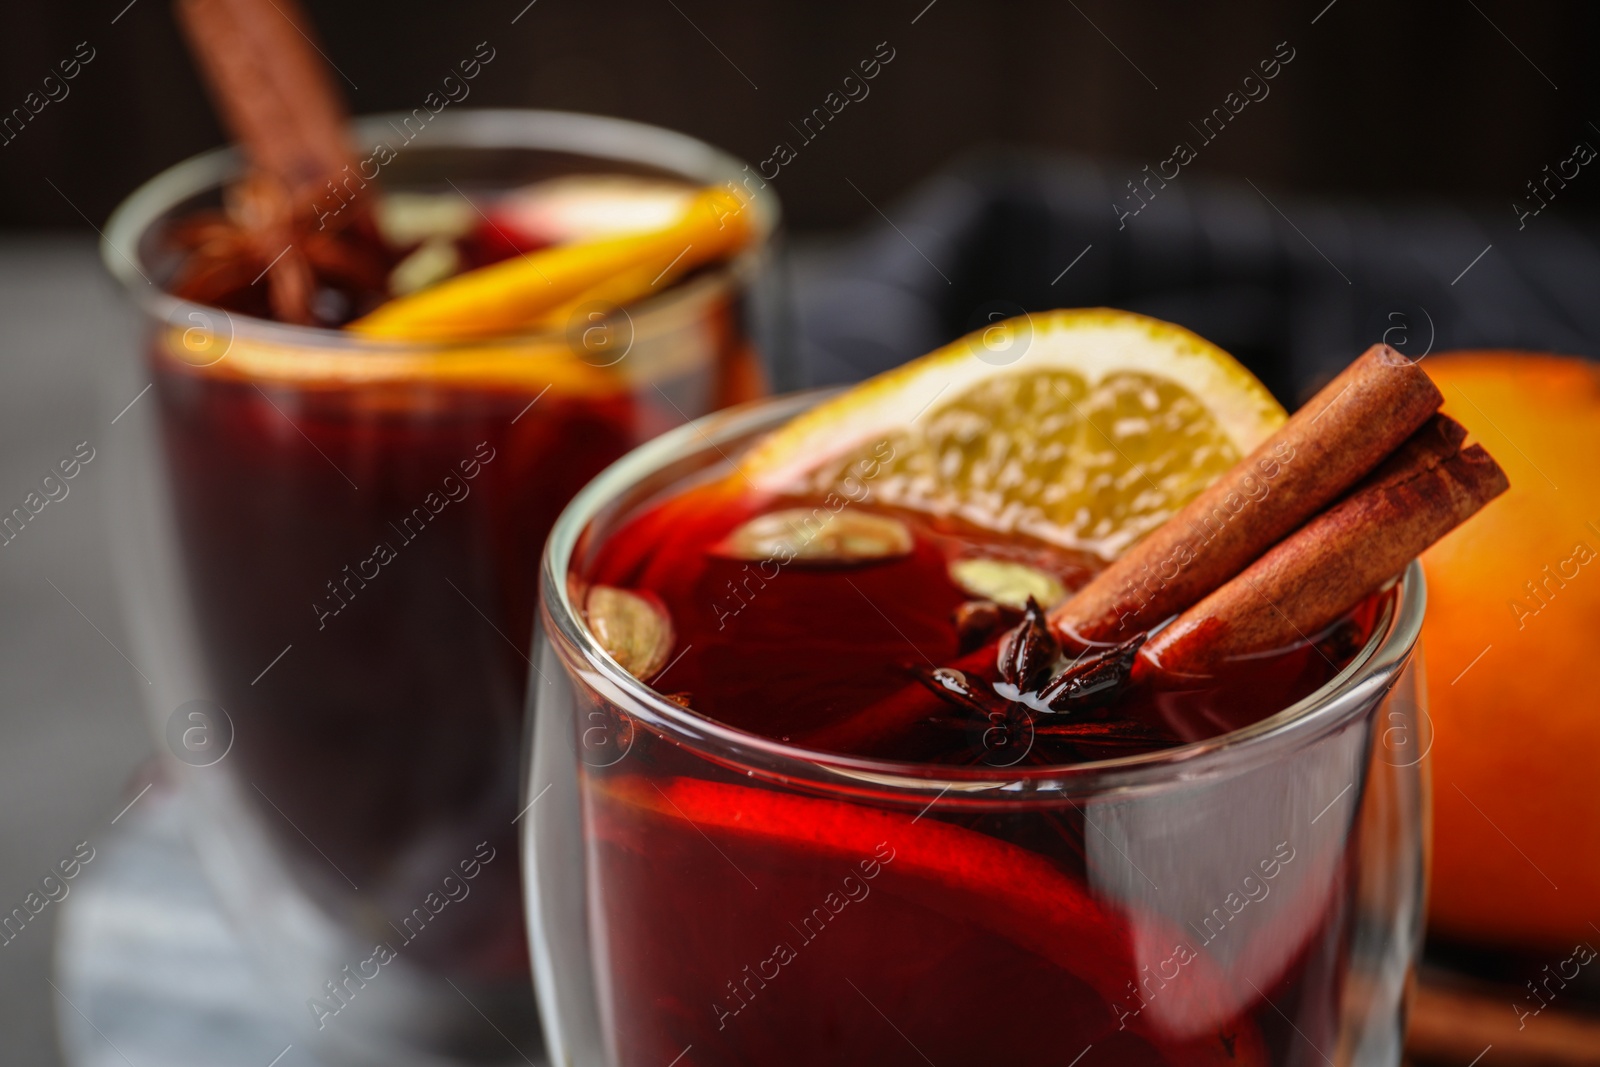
741 863
330 558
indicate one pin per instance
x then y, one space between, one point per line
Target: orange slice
542 289
1085 428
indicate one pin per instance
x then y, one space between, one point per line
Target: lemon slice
1085 428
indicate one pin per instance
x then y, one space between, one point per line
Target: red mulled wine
739 916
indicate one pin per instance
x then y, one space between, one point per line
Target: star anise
1029 652
1030 662
955 687
1093 681
257 256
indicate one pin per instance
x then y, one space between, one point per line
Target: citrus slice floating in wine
542 290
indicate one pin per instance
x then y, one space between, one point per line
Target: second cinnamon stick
1323 569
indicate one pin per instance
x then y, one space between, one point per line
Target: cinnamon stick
1320 452
274 92
1325 568
1439 438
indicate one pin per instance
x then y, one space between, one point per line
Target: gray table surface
147 969
72 742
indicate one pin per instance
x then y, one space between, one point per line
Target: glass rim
576 133
1372 672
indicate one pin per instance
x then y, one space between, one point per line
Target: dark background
1456 101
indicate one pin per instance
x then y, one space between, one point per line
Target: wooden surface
1453 1026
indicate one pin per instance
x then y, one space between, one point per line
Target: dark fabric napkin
1295 287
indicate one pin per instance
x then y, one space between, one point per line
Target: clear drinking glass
702 895
329 549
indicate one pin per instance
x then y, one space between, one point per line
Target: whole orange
1513 661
